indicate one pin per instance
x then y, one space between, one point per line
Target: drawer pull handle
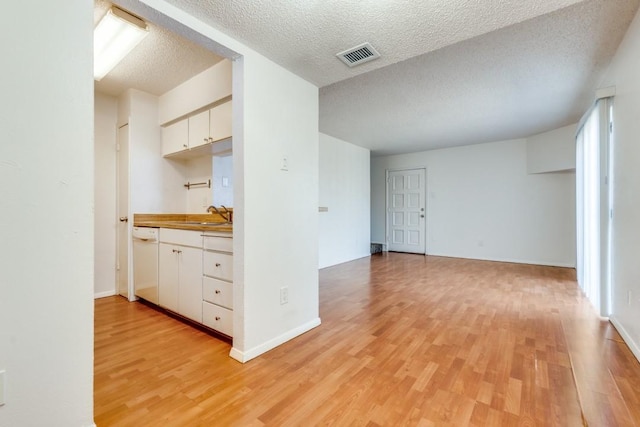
217 291
217 317
217 264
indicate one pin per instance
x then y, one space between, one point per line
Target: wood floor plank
404 340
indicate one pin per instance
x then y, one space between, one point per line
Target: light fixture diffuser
117 33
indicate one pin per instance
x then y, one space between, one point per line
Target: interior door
406 211
122 202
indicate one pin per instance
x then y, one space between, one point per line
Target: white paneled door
406 211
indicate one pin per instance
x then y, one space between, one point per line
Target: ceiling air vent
358 55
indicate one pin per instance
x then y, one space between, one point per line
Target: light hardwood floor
405 340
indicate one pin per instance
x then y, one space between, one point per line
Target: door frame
128 242
386 205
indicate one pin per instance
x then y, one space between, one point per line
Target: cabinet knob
206 139
217 291
185 145
217 264
217 317
210 139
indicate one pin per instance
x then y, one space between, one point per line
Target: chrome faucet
211 209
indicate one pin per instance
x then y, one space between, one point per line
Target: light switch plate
2 387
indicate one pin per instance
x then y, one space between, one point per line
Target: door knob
124 219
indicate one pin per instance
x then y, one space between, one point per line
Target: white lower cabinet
218 318
217 292
195 277
190 297
168 276
179 275
217 284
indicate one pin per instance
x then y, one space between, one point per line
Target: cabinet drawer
181 237
217 264
224 244
218 318
217 292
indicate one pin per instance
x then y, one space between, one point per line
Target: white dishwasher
145 263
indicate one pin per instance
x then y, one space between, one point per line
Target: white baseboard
245 356
633 346
104 294
510 260
333 263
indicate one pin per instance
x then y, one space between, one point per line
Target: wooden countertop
198 222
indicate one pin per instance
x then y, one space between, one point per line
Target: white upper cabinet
175 137
197 113
211 125
220 121
199 129
199 132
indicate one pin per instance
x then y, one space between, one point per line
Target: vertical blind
592 205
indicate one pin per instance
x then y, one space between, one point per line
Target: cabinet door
175 137
199 129
168 276
190 299
221 121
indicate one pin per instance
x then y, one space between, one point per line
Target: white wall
105 122
199 197
209 86
222 171
482 204
156 184
625 268
46 211
268 254
552 151
345 229
278 210
145 163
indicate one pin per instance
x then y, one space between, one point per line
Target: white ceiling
452 72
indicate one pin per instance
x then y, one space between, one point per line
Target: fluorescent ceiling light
113 38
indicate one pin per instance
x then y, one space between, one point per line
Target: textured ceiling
452 72
159 63
305 35
514 82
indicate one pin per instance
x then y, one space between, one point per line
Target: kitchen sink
205 223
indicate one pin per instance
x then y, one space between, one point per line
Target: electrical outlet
285 164
284 295
2 388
